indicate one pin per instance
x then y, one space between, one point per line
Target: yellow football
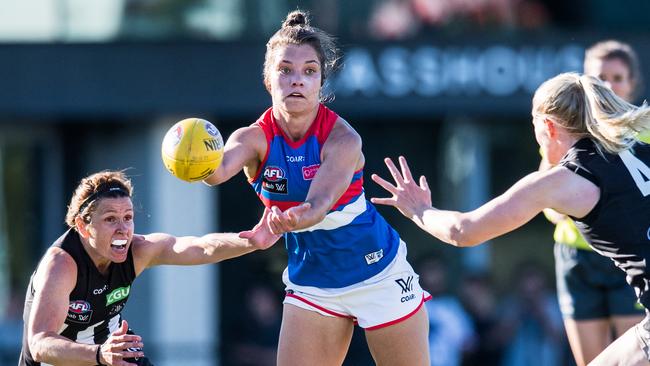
192 149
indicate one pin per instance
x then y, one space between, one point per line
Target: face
294 78
110 229
614 73
551 150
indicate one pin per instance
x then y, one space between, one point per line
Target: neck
100 262
295 125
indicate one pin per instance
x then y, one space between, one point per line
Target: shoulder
56 266
343 132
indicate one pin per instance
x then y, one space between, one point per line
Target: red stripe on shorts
402 318
319 307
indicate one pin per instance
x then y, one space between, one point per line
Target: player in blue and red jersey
346 264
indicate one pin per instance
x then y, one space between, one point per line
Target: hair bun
296 18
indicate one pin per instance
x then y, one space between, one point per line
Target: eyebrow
307 62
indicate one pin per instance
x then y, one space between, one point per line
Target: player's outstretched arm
160 248
557 188
244 149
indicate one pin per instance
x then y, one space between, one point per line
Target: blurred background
93 85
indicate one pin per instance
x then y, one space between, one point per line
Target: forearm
51 348
216 247
447 226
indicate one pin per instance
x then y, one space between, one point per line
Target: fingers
383 201
406 172
384 183
424 184
246 234
393 171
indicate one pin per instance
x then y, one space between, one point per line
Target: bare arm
341 157
557 188
53 283
245 148
550 214
159 248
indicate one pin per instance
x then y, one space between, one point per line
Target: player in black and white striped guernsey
77 292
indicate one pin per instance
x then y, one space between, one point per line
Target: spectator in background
479 300
531 324
595 298
450 328
257 333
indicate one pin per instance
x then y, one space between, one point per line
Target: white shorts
389 297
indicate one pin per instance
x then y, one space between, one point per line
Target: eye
284 70
310 71
617 78
111 219
128 218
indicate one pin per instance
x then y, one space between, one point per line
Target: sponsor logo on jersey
79 312
117 295
295 159
274 180
116 309
309 172
98 291
374 257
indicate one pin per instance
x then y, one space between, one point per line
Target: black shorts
590 286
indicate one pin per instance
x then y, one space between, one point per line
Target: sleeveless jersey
95 303
566 231
618 226
353 242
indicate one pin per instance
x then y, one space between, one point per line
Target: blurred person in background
450 328
257 332
598 178
74 301
596 301
346 265
479 301
531 323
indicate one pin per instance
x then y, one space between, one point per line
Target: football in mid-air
192 149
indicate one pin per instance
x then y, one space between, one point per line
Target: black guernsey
618 226
95 303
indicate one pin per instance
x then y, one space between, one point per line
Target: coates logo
79 307
209 127
273 173
309 172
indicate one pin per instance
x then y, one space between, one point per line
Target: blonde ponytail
586 107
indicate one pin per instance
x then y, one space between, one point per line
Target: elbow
460 236
36 347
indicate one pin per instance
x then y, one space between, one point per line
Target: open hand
408 197
117 347
261 236
282 222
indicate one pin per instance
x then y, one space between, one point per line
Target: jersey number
639 171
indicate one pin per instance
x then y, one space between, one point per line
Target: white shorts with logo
389 297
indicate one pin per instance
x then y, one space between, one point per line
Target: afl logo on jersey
79 307
274 180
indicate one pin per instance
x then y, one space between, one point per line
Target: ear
551 128
82 226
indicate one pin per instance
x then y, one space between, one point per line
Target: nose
297 81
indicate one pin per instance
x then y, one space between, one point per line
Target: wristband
99 363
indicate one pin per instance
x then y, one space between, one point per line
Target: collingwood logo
407 286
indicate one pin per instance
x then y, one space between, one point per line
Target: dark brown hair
91 189
297 30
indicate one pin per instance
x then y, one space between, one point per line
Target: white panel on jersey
337 219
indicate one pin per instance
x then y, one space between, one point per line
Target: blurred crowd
471 323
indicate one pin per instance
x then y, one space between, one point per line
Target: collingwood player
76 295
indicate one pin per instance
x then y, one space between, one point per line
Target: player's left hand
261 236
408 197
280 222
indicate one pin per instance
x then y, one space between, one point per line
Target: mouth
119 244
294 95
